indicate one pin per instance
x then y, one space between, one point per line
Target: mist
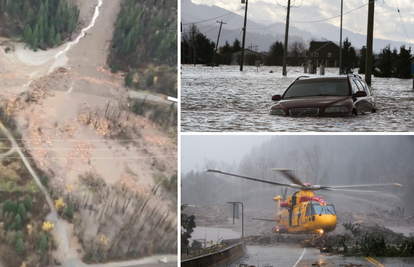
315 159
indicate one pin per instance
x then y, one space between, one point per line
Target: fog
316 159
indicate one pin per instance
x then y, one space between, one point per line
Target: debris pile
67 129
385 216
209 216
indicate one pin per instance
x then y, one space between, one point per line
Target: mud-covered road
225 99
296 256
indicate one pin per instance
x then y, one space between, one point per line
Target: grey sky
387 18
196 148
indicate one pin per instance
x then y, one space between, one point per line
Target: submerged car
325 96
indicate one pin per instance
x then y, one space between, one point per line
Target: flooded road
224 99
296 256
213 235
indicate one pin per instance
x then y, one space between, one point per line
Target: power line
314 21
97 158
402 22
81 140
231 12
92 149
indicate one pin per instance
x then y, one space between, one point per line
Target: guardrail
154 98
219 259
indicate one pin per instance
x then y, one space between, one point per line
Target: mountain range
262 34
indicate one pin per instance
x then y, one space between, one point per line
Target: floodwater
213 235
295 256
223 99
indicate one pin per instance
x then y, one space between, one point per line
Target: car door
370 97
361 103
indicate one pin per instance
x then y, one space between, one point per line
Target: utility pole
286 39
244 37
370 36
218 39
340 39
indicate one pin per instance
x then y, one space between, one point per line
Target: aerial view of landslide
88 136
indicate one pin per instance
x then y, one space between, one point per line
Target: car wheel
354 112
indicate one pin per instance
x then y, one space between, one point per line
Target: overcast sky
387 19
196 148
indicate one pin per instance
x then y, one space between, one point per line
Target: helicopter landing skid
318 241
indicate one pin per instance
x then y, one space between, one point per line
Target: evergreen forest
145 37
39 23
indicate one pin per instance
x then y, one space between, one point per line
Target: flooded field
223 99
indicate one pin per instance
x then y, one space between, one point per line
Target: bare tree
297 51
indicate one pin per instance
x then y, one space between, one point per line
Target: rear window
318 88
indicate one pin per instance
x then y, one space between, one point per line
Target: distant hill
262 34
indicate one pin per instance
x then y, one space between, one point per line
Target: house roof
319 45
251 51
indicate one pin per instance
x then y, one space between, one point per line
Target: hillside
264 34
109 154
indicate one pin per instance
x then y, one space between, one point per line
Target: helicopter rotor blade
288 174
350 190
250 178
360 185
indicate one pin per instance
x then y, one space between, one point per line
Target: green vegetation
22 209
145 36
39 23
187 227
394 64
196 48
374 241
164 116
70 209
349 59
22 236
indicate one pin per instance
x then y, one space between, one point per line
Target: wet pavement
296 256
224 99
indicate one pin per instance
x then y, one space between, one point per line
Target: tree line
196 48
388 64
39 23
21 229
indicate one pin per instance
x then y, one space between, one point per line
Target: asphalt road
296 256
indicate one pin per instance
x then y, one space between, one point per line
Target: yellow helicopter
303 213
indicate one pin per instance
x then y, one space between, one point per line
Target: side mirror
360 94
276 97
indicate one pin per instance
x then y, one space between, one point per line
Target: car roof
303 79
327 78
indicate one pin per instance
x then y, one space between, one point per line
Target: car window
312 88
355 87
365 87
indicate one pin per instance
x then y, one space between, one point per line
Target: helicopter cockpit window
308 211
319 209
330 209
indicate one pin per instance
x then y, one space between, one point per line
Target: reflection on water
225 99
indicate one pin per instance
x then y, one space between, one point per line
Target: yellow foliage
103 240
8 174
29 228
47 226
59 203
23 264
69 187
